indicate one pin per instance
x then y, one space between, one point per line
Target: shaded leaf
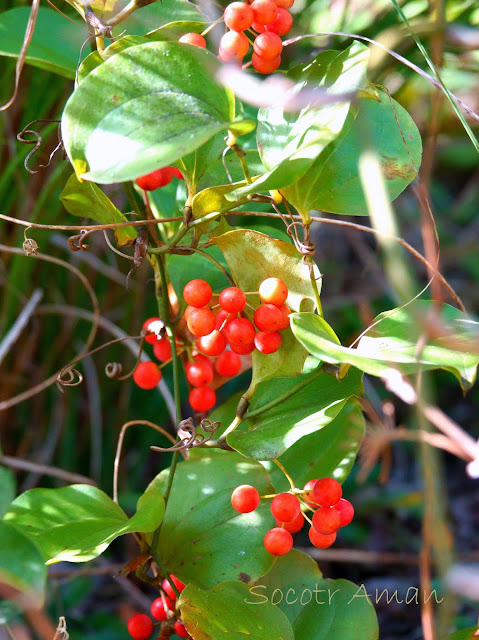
203 539
392 343
229 616
161 14
7 489
77 523
333 184
472 633
86 199
310 408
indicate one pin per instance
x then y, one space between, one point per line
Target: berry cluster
269 19
163 609
159 178
230 327
322 496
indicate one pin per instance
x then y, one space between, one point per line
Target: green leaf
161 14
333 184
252 257
229 615
216 173
174 30
203 539
270 433
94 59
7 489
464 634
144 108
392 343
21 564
86 199
183 270
327 453
77 523
59 54
289 142
317 609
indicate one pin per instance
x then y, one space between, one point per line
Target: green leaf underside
271 433
252 257
144 108
223 612
289 142
87 199
77 523
318 609
58 54
332 183
327 453
392 344
21 564
203 539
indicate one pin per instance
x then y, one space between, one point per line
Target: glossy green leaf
273 431
216 173
59 54
318 609
472 633
77 523
252 257
86 199
392 343
182 269
288 141
174 30
21 564
222 612
7 489
327 453
212 200
203 539
332 183
161 14
94 59
144 108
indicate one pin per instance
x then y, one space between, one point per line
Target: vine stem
164 571
290 479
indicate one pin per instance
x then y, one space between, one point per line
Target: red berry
202 398
152 328
278 541
198 373
243 349
259 28
155 179
197 293
228 364
147 375
213 344
245 498
285 311
265 66
267 317
326 520
264 11
268 46
273 290
193 38
282 24
346 511
201 322
284 4
232 300
238 16
168 589
268 342
240 331
223 318
293 526
162 349
327 492
234 45
140 626
160 608
177 173
308 497
180 630
285 507
321 541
